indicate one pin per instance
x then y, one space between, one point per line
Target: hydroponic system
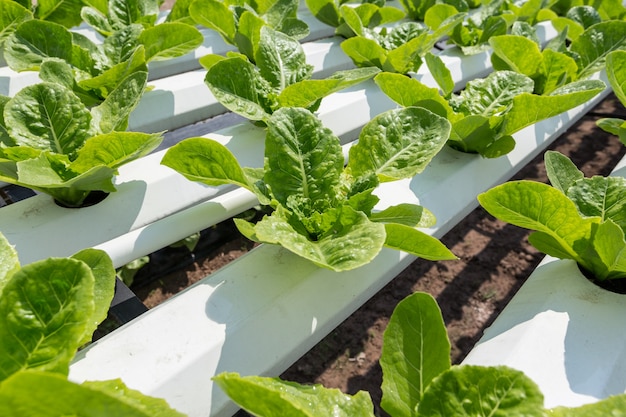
363 132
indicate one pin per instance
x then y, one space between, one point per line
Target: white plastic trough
257 315
564 332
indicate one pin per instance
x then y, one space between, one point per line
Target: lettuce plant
239 23
322 211
418 381
337 13
577 218
557 65
616 73
93 69
489 110
280 78
48 310
401 48
51 142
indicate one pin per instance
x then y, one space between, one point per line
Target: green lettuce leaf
475 390
40 394
272 397
415 350
399 143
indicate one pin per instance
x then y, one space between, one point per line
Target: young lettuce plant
322 211
490 110
239 23
418 381
577 218
52 143
337 14
557 66
93 69
280 78
616 73
401 48
48 310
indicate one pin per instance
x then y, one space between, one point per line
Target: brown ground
495 259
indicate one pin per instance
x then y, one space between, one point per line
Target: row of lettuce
67 136
51 307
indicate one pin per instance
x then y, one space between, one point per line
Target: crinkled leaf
272 397
281 59
306 93
35 40
123 43
237 84
604 197
585 15
303 158
492 95
113 113
476 390
540 207
115 149
48 116
126 12
416 242
399 143
40 394
9 262
44 312
595 43
205 160
408 214
170 40
352 242
561 171
415 350
544 107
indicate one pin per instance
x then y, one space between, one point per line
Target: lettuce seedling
323 211
401 48
239 23
489 110
557 65
616 73
280 78
52 143
577 218
418 381
371 14
48 310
